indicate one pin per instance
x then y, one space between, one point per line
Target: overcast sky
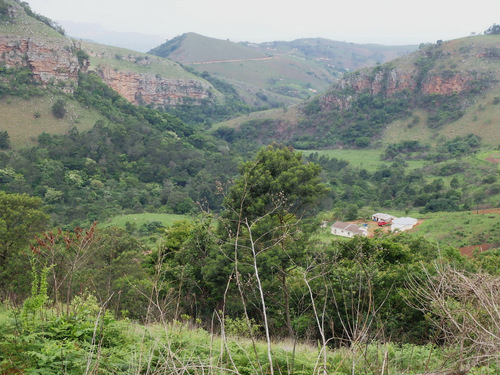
357 21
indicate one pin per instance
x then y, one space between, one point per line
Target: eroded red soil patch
493 158
487 211
469 250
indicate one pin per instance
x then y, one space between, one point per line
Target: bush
4 140
238 327
59 109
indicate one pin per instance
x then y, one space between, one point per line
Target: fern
38 297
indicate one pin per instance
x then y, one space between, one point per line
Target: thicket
18 82
4 11
59 109
139 159
4 140
256 270
394 186
454 148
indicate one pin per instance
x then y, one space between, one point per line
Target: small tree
493 30
59 109
4 140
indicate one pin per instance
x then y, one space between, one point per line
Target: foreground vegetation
90 341
249 290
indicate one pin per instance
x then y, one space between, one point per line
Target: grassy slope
342 55
17 117
290 114
26 26
269 71
275 72
460 228
481 117
196 48
127 60
141 219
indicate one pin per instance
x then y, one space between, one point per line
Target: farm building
403 223
383 217
347 230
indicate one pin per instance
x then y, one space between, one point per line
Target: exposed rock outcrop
58 64
48 63
417 74
143 89
392 82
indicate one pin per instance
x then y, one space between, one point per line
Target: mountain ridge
275 73
434 90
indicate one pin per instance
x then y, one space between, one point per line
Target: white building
348 230
383 217
403 223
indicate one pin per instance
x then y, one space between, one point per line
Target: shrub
4 140
59 109
239 327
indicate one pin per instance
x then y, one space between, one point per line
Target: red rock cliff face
48 63
394 81
155 90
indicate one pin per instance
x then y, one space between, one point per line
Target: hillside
32 42
132 242
444 89
276 72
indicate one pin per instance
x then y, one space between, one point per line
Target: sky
390 22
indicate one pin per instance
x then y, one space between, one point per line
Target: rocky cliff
56 64
49 63
437 69
55 60
150 89
53 63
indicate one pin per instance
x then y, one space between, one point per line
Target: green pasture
483 155
458 229
143 219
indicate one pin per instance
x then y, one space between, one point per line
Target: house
383 217
403 223
347 230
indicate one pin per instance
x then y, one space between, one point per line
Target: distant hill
195 48
444 89
275 73
37 61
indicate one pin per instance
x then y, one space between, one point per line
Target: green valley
186 213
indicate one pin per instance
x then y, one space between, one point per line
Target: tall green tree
262 215
278 174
